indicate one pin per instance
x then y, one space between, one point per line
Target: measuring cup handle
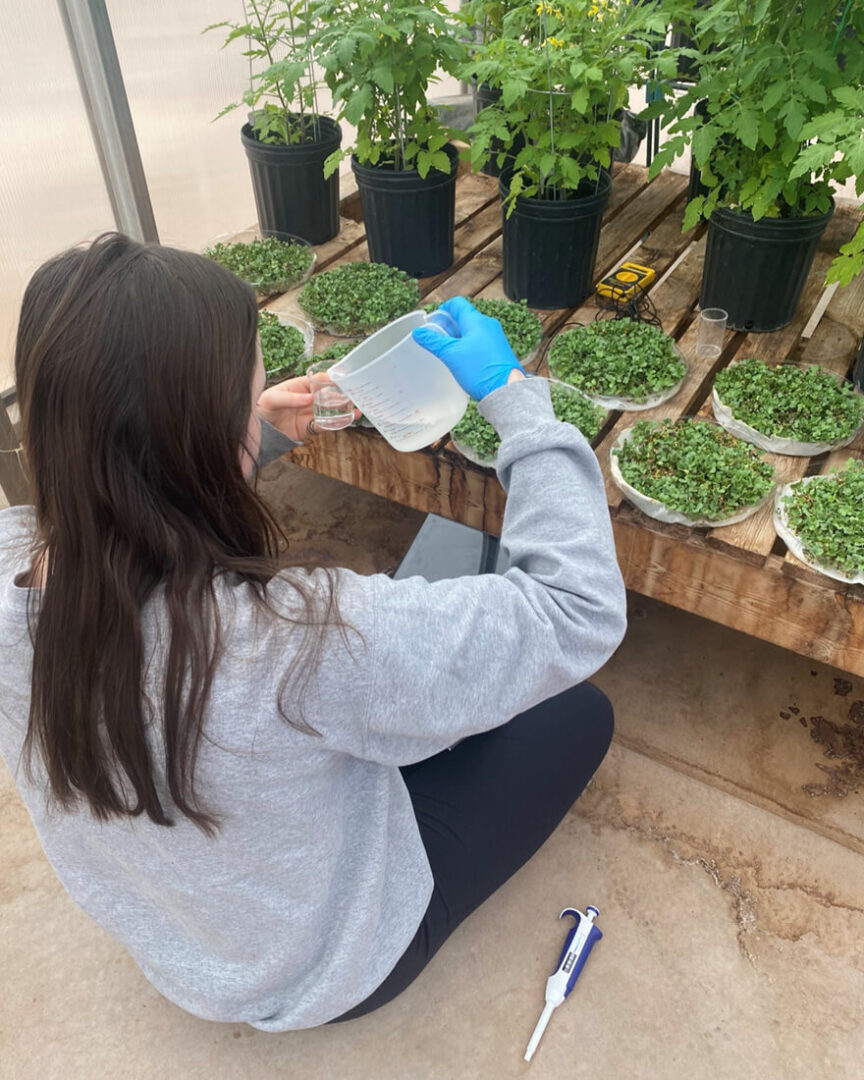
443 323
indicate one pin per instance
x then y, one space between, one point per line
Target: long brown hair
134 367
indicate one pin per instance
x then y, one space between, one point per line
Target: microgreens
475 431
282 346
694 467
806 404
617 358
358 297
827 515
269 265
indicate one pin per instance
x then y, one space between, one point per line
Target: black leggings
487 805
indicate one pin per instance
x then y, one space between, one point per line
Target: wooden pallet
741 575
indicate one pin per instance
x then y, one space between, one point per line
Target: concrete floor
724 850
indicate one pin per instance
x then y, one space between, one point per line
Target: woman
243 773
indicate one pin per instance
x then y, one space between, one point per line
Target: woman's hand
288 407
481 359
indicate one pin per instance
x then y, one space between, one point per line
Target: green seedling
357 298
806 404
617 358
694 467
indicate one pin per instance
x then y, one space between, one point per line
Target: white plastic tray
658 510
791 540
775 444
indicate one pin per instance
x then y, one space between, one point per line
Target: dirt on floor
332 524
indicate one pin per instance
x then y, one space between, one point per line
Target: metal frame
91 43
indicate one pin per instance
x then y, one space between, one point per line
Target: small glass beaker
332 409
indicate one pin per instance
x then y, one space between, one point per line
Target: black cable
636 306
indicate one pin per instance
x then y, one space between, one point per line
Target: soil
330 524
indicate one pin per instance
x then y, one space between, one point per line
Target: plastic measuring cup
406 392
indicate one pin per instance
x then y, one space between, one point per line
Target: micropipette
580 941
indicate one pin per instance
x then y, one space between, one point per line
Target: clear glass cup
711 333
332 409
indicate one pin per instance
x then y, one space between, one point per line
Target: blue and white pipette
580 941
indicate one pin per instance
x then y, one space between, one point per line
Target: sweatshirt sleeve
453 658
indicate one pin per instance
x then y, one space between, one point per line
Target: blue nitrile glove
481 359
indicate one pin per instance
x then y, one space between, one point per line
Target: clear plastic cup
407 393
711 333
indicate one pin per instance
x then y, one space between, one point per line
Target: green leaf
693 213
357 104
748 129
704 141
774 94
345 49
579 99
512 90
383 76
795 115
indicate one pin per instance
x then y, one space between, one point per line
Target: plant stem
300 84
549 88
266 44
841 27
313 82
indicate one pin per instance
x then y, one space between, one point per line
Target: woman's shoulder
17 535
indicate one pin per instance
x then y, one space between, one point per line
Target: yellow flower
555 42
544 7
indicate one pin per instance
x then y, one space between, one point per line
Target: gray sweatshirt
317 879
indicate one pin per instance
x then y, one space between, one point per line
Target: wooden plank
424 480
627 182
471 278
470 236
810 618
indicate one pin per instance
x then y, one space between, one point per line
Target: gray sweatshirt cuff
509 407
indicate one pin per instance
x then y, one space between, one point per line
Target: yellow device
630 278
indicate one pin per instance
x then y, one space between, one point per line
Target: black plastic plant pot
291 194
409 218
756 270
550 246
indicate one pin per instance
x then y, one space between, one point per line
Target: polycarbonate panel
177 79
51 189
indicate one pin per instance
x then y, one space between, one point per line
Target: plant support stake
91 43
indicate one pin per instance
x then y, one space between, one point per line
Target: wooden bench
741 575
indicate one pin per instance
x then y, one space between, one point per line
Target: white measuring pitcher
406 392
